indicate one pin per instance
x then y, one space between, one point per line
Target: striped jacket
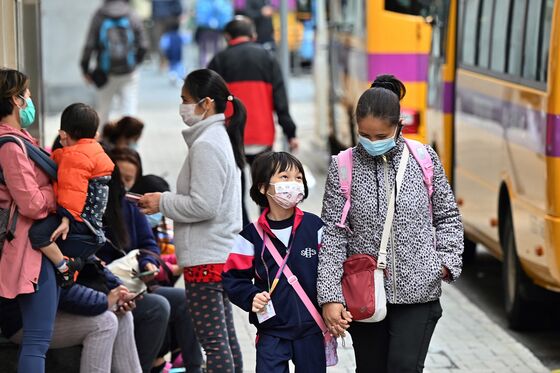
250 268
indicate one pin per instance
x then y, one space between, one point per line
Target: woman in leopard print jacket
415 266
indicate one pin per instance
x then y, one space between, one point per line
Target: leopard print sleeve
447 221
333 249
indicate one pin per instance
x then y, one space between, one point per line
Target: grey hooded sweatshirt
414 260
206 210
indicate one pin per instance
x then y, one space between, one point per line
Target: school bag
363 275
9 215
117 52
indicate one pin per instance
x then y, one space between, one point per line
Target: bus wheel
515 282
469 252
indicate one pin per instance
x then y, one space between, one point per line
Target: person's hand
87 79
176 269
444 272
267 11
149 267
149 203
62 230
114 296
260 301
293 144
336 318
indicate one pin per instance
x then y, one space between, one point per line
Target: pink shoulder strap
423 158
344 160
292 280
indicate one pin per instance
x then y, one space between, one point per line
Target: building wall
8 52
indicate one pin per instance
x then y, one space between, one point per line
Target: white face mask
188 115
288 193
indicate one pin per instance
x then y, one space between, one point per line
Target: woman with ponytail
425 240
206 210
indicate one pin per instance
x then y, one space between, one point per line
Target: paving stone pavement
465 340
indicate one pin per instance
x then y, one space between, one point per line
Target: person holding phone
161 311
101 323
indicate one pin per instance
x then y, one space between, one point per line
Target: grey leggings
212 315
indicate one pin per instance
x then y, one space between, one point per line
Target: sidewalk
465 340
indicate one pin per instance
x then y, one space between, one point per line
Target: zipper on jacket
393 266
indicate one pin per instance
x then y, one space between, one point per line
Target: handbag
125 268
330 342
363 278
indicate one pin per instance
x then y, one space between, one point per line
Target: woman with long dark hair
206 210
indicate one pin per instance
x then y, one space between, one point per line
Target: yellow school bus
367 38
494 118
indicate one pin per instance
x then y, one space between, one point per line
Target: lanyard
279 273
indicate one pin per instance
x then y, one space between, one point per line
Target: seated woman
101 323
128 229
123 133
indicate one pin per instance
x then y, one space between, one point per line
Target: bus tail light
410 121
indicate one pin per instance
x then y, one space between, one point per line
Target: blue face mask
27 114
378 147
154 219
133 146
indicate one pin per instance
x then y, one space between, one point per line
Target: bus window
412 7
469 32
516 38
484 44
532 39
499 36
546 25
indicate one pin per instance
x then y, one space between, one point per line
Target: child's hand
260 301
62 230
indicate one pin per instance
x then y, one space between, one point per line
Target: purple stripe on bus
411 67
553 135
448 97
525 126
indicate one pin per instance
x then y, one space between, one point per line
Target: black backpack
117 54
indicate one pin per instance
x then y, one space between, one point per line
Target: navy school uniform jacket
245 274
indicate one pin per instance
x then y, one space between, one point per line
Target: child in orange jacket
84 169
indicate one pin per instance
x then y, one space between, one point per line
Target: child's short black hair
79 121
268 164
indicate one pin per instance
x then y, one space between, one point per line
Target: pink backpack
345 163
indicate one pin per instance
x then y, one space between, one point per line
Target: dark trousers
181 327
80 242
212 314
151 317
398 344
38 311
307 353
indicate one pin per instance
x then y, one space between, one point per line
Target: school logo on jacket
308 252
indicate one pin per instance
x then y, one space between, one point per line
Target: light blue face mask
27 114
378 147
154 219
133 146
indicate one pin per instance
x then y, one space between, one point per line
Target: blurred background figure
261 12
211 18
165 14
124 133
171 46
117 40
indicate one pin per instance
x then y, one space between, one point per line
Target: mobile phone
137 295
146 273
132 197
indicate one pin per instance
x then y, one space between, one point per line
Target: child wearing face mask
255 281
81 191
